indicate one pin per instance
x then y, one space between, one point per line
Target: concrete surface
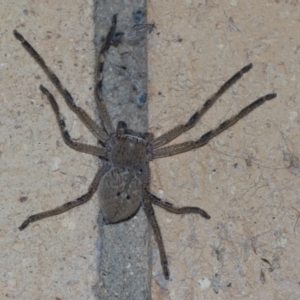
247 179
54 258
124 266
70 239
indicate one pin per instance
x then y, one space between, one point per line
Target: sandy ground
247 179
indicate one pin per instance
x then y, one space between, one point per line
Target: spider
124 177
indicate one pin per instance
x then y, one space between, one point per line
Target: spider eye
128 197
118 193
122 124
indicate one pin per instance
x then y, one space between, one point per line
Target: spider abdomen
120 194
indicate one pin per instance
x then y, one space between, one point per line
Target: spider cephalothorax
123 178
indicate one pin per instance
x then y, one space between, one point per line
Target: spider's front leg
194 119
101 107
97 131
84 148
205 138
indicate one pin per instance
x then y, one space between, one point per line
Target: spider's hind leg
178 210
157 234
147 203
69 205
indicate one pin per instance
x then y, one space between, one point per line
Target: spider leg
205 138
89 149
69 205
97 131
178 130
178 210
102 110
157 234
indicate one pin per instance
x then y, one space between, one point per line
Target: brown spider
124 177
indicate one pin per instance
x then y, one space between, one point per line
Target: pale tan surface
45 261
250 206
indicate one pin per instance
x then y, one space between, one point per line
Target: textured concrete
54 258
124 267
58 258
247 179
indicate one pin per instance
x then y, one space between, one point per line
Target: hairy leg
157 234
178 130
204 139
102 110
178 210
97 131
69 205
89 149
